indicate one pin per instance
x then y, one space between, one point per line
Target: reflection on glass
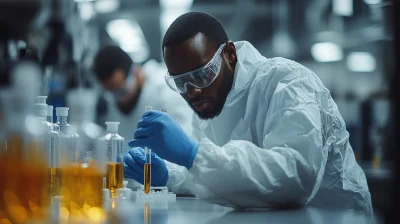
147 216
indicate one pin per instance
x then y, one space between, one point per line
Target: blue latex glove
159 132
134 161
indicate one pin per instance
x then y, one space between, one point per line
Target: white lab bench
194 211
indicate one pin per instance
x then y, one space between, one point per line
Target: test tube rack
156 194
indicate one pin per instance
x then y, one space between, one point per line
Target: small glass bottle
112 143
49 116
69 137
51 140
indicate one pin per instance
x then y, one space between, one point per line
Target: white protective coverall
279 140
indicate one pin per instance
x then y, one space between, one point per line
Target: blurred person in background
267 132
129 89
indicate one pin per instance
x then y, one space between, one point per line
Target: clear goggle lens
199 78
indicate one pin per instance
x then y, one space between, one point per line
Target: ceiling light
372 2
361 62
176 3
342 7
168 16
283 44
106 6
130 37
326 52
86 10
79 1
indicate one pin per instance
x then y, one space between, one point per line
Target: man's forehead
189 55
197 43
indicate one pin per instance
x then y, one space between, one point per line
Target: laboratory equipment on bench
41 100
82 195
82 104
124 193
69 138
106 195
42 112
112 144
49 117
51 143
155 194
81 190
62 119
147 170
147 165
23 163
158 198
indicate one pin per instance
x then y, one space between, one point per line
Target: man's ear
230 51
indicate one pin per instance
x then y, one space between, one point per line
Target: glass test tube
148 108
147 170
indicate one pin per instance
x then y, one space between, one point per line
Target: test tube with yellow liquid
112 143
147 171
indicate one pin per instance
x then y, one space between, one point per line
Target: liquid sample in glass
23 188
54 181
81 185
115 177
3 172
147 181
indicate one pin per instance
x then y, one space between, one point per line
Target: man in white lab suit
131 88
267 132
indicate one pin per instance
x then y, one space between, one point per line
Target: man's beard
222 94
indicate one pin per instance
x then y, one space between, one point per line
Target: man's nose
192 91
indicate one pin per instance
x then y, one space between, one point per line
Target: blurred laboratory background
349 44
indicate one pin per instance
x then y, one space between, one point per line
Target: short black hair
108 59
192 23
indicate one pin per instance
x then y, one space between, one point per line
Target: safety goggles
199 78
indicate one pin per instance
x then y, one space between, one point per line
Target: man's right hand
134 161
